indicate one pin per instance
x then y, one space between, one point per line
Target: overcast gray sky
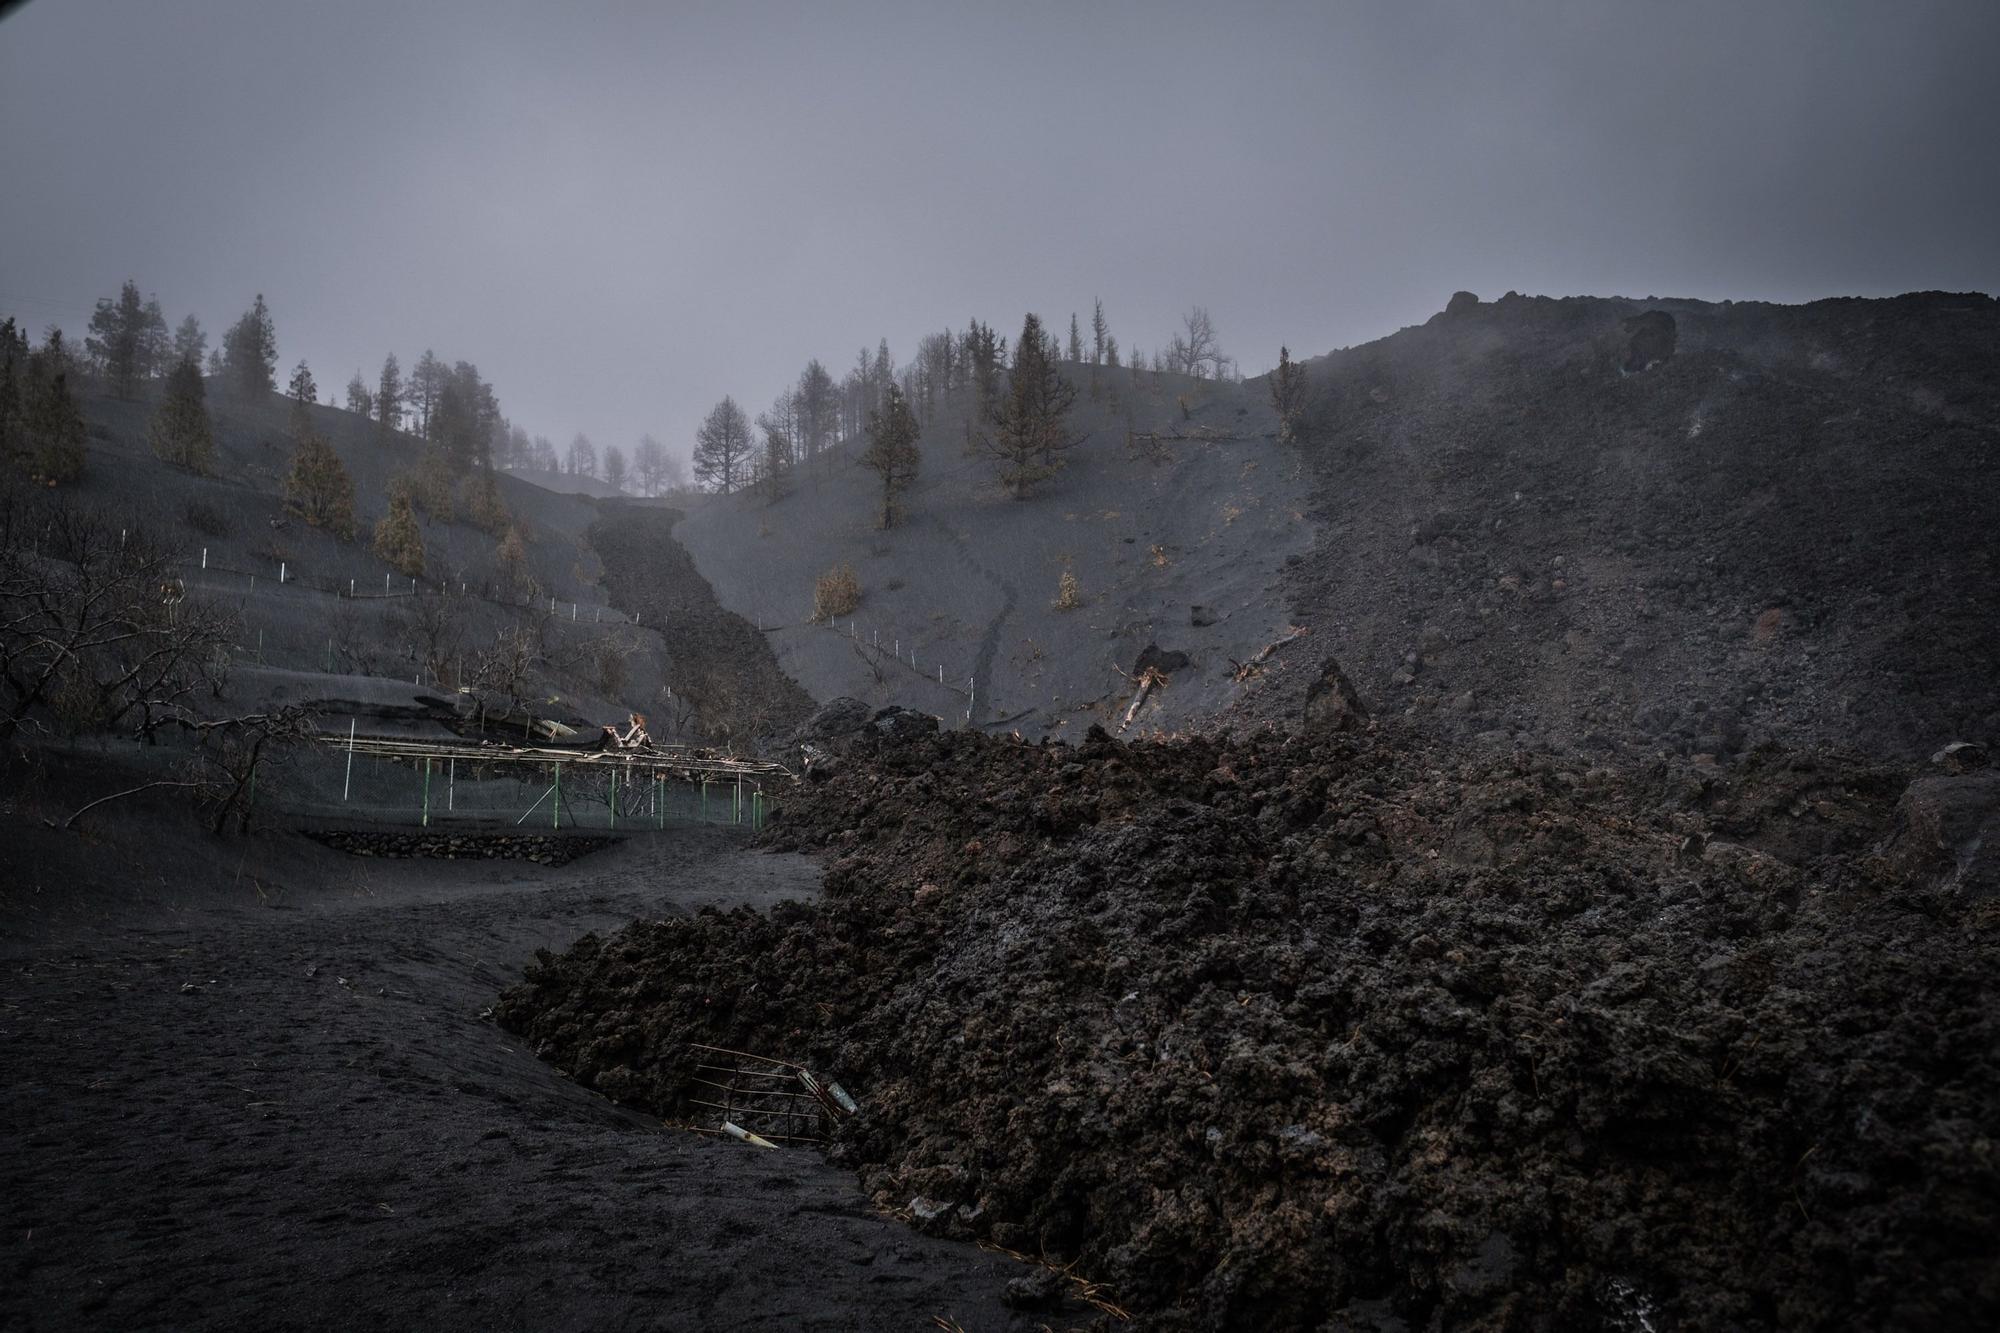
623 212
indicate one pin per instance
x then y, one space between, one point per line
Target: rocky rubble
1347 1032
1620 526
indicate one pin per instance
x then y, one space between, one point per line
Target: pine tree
512 558
428 487
984 352
13 368
483 506
398 539
1288 394
359 401
317 488
892 452
1100 334
1075 339
389 393
215 367
1030 426
426 387
250 352
114 342
303 393
818 409
180 431
190 343
614 467
722 446
52 423
156 345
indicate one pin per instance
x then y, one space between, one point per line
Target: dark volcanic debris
1277 1032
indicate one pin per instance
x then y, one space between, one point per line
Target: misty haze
1014 667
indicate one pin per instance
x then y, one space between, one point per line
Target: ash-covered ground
253 1084
1347 1031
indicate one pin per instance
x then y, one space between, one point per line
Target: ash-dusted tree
303 393
892 453
1196 350
649 464
190 343
484 508
156 345
250 352
398 538
614 467
389 395
49 437
426 387
463 418
818 412
1075 349
1288 394
984 353
359 401
1100 335
317 487
179 431
722 448
1029 427
774 461
13 369
511 562
122 342
580 459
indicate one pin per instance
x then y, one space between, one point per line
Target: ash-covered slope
1176 543
1728 523
304 639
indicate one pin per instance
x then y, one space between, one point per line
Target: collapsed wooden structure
627 782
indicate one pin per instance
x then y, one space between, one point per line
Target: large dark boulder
1947 834
1332 704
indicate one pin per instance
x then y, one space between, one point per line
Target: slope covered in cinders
1174 543
1575 521
720 667
312 614
1275 1032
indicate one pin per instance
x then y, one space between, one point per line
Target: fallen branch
1245 670
1151 679
130 791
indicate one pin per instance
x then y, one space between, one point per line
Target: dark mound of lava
1284 1033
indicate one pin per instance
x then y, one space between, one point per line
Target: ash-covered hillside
315 616
1595 524
1578 522
1171 520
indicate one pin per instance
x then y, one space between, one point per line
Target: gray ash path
327 1132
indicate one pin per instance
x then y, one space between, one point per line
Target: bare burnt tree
95 624
434 625
1196 350
231 753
